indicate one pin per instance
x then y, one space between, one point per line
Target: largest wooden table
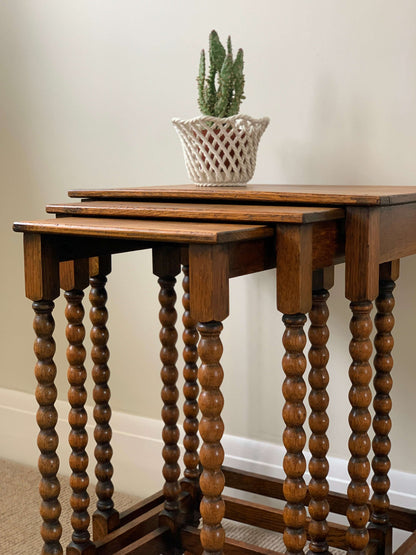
216 234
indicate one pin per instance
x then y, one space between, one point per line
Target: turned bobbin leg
294 299
190 407
105 518
166 265
383 364
209 269
170 393
77 418
318 422
211 428
42 286
47 417
362 255
359 443
73 279
294 437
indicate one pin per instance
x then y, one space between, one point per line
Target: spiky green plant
221 91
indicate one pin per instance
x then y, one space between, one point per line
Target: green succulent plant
221 91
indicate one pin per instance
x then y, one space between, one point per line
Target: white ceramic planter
220 152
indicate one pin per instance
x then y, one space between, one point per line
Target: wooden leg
78 438
318 422
383 363
190 407
360 397
170 394
45 371
294 438
209 271
211 428
105 518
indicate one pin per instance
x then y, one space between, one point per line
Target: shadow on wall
338 150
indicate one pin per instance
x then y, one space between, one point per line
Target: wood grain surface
177 232
195 211
303 194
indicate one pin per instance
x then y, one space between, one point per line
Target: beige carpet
19 509
20 520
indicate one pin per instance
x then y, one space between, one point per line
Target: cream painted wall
87 92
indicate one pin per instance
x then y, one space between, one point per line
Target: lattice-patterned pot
220 151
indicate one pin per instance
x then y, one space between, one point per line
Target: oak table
216 234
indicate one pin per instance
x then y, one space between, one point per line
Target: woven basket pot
220 152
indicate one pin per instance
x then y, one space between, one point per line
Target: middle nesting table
308 238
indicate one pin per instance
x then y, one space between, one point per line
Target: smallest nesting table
216 236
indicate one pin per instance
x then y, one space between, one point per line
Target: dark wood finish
254 483
323 278
177 232
293 194
99 265
74 274
211 429
378 229
166 265
269 518
130 532
74 277
383 364
190 336
47 417
190 211
318 422
360 420
243 257
154 543
397 232
294 268
255 255
139 520
77 418
106 517
389 270
404 519
41 268
208 274
190 539
294 437
362 253
170 394
328 243
142 507
247 257
74 248
166 261
255 514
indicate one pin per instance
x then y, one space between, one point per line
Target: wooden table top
276 194
195 211
149 230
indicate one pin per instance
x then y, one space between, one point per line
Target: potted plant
220 147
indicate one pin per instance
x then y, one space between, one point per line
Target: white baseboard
137 450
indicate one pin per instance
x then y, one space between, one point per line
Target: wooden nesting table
216 234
